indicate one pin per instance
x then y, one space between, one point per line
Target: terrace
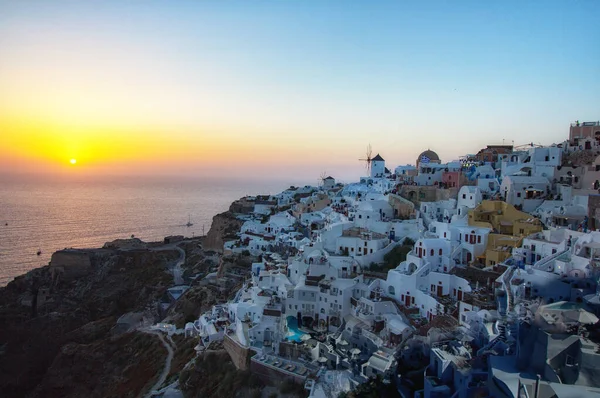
585 124
285 366
362 233
541 237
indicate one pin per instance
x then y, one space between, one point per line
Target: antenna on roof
368 158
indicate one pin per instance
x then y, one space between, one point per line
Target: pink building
452 179
580 131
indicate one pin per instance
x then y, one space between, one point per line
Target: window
464 195
521 231
569 360
440 251
518 194
431 252
444 234
478 238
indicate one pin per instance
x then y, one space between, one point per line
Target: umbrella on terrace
322 359
305 337
342 342
355 351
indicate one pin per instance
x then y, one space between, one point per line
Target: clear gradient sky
277 88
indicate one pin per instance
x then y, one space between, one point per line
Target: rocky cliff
56 332
63 332
224 227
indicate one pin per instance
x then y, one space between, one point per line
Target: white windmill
368 159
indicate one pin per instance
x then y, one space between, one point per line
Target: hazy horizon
284 90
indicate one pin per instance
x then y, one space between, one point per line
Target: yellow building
315 202
499 248
503 218
509 225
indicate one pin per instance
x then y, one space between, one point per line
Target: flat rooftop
282 365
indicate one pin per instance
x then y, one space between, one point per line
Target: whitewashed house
356 242
373 210
525 192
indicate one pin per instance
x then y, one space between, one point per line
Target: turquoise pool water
293 333
565 305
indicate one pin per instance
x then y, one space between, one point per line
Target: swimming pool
565 305
293 333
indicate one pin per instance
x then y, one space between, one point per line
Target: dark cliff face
56 333
224 227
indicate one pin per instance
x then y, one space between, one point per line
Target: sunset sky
277 88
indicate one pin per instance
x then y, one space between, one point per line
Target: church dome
428 154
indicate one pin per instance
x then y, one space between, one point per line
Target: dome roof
432 156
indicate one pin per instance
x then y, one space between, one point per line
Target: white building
373 210
525 192
356 242
377 167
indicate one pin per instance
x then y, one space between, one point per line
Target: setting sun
73 161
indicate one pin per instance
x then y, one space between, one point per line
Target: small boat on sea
189 223
39 252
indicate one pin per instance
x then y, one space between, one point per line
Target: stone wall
242 206
594 212
70 264
240 356
421 193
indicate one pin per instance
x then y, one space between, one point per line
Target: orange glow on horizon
43 146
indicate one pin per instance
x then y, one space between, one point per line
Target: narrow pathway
167 367
177 272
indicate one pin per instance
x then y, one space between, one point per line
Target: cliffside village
496 294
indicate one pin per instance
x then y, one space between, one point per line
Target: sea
46 216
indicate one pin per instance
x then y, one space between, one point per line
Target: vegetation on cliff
56 331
